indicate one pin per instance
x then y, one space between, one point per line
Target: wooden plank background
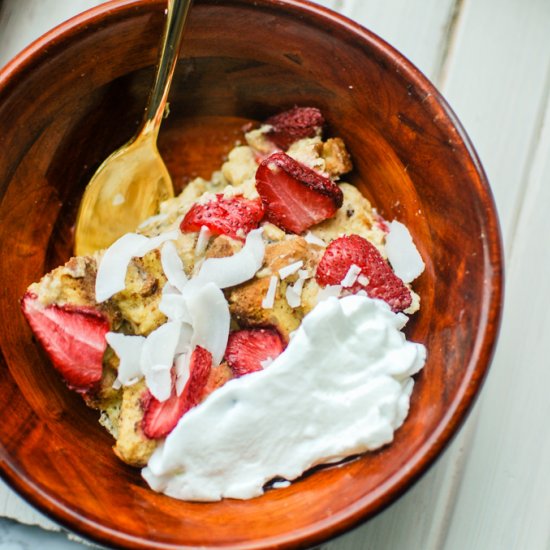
491 59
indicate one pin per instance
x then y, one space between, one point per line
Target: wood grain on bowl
77 94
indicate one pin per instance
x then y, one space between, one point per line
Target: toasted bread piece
132 446
245 301
337 159
355 217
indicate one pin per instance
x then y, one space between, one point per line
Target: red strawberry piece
160 418
247 349
295 124
232 216
295 197
73 337
383 283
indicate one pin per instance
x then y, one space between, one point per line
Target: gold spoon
128 187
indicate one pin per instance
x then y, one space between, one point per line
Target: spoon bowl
129 186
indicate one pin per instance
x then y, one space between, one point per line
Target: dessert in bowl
271 266
408 151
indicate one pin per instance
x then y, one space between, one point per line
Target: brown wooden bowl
77 93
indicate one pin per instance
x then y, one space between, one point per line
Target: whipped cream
341 387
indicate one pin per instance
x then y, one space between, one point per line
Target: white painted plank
418 519
23 21
419 29
494 79
14 507
504 499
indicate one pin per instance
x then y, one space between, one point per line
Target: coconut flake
157 356
328 291
363 280
169 289
290 269
111 273
351 276
402 253
159 382
128 350
236 269
173 306
209 313
294 293
155 242
173 266
202 240
182 371
313 239
184 342
269 300
304 274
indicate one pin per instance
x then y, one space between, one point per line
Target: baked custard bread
215 286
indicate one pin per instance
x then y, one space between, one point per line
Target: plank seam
462 455
449 42
526 178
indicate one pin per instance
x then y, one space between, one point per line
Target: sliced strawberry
160 418
247 349
295 124
73 337
232 216
383 283
294 196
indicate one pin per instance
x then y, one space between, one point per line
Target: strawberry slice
232 216
294 196
72 336
295 124
382 283
247 349
160 418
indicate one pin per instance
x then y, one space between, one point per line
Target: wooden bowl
77 93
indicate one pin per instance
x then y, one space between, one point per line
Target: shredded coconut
290 269
173 266
269 300
294 293
202 240
351 276
313 239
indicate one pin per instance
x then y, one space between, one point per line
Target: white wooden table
491 59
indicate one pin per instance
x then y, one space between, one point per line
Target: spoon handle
176 14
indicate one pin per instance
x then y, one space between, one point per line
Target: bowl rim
475 371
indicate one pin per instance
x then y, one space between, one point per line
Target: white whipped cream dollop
341 387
